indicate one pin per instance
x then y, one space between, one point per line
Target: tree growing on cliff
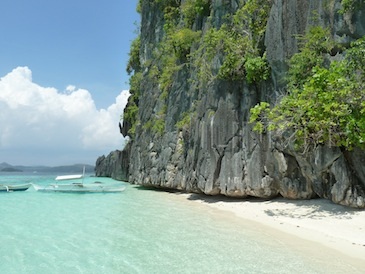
326 99
134 68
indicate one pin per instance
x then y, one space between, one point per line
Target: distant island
10 169
76 168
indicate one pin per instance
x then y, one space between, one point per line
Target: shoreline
313 226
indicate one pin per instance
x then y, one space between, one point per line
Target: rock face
218 153
115 165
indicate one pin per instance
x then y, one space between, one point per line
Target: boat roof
68 177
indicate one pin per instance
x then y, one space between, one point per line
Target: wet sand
315 226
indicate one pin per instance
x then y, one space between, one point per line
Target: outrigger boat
11 188
80 187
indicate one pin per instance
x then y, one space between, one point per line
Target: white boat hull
82 188
10 188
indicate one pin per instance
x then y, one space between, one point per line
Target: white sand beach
320 224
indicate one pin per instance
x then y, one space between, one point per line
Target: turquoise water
136 231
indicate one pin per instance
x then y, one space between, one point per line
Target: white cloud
40 119
70 88
102 129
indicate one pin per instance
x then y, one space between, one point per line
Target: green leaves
231 50
185 121
258 114
252 18
134 62
182 40
350 5
313 47
257 69
191 9
325 104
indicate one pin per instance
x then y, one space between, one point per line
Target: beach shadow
313 209
156 189
299 209
222 198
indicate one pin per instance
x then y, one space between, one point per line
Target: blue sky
57 53
70 42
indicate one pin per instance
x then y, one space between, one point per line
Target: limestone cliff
192 133
115 165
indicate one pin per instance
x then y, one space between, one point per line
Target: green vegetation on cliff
134 69
324 97
350 5
325 103
232 50
236 45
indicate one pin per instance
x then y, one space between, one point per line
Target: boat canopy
68 177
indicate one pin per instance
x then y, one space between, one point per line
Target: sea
136 231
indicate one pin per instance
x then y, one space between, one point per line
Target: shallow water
136 231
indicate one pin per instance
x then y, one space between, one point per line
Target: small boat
11 188
80 187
